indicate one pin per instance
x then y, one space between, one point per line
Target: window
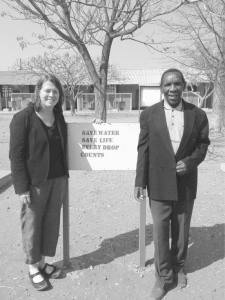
111 89
6 91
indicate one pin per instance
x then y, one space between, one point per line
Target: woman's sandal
39 286
56 272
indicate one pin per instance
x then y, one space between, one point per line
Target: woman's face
49 95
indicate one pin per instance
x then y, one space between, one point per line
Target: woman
39 170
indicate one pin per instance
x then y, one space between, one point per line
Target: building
16 89
134 89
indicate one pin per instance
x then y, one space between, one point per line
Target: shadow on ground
110 249
206 246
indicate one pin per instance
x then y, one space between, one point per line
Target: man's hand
139 194
25 198
181 167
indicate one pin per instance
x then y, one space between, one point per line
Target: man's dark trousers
176 214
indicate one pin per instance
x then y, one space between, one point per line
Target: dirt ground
104 221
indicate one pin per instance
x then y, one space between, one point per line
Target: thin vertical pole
142 230
139 101
66 254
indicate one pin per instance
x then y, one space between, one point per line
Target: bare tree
80 24
197 77
201 32
70 69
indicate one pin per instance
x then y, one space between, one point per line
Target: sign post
66 254
102 147
142 230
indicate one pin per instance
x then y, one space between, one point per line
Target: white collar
167 106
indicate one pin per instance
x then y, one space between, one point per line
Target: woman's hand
25 198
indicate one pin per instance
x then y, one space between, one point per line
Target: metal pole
142 230
66 254
139 101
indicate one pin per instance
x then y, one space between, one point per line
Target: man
173 141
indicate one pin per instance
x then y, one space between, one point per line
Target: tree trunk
100 104
64 105
218 112
72 105
100 90
202 102
66 100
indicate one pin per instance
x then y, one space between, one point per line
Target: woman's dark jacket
29 149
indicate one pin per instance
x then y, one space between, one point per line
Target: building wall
21 89
6 100
149 96
133 89
130 88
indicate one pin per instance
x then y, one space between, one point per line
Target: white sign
103 147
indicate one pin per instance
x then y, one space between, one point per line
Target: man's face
172 88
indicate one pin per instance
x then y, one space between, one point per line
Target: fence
114 101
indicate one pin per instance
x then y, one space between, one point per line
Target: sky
125 54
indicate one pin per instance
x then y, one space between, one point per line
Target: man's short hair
173 71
